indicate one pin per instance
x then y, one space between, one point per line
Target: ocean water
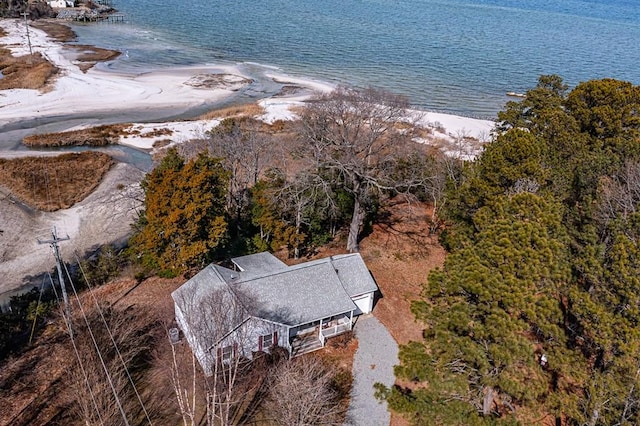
459 56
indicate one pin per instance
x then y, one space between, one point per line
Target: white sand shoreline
176 88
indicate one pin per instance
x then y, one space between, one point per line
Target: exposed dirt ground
400 253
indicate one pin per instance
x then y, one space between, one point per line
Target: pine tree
536 311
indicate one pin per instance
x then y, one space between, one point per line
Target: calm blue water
458 56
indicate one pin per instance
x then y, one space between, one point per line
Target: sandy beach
179 89
75 91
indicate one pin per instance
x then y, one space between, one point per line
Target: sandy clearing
103 217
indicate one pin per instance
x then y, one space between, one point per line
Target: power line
115 345
95 344
77 353
35 314
53 243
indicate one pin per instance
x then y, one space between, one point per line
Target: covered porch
312 336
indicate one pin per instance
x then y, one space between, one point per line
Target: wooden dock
115 18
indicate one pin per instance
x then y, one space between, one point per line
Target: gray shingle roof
194 291
297 295
290 295
262 263
199 301
354 274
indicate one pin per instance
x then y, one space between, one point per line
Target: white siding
364 304
247 336
203 357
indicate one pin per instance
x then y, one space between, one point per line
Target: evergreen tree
536 310
491 314
184 218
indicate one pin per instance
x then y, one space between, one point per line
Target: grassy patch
25 72
57 31
248 110
53 183
93 136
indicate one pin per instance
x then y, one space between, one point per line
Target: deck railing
335 329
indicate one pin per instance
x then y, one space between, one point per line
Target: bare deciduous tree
103 398
620 196
357 137
246 150
301 392
225 383
184 379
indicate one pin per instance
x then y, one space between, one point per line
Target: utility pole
53 242
26 25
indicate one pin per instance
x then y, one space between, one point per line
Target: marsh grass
55 30
53 183
88 55
93 136
25 72
247 110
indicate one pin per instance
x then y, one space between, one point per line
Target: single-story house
61 3
260 303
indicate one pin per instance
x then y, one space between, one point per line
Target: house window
226 353
267 341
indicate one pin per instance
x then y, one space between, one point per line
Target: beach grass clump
93 136
53 183
247 110
25 72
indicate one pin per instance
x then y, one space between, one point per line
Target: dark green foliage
544 234
103 266
17 319
490 300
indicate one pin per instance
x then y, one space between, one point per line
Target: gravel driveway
374 360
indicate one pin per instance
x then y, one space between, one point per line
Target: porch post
320 332
351 320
